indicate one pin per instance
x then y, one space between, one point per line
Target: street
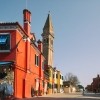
63 96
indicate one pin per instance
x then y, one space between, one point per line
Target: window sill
3 51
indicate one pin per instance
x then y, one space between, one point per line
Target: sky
76 28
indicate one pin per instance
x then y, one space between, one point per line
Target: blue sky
76 27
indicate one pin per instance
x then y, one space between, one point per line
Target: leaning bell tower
48 39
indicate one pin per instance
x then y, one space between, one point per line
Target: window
47 40
43 65
52 42
43 83
55 86
44 40
5 42
53 75
62 77
49 85
56 76
36 60
49 73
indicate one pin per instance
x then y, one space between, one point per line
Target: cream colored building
68 88
55 81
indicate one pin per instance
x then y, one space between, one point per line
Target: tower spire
47 39
48 27
49 12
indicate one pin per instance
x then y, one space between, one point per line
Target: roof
15 25
66 83
6 24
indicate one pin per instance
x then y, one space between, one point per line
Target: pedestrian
95 91
3 95
83 91
32 92
2 92
8 90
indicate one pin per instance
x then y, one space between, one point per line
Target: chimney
27 28
27 21
40 46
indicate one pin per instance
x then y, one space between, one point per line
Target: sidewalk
74 95
65 95
56 95
92 94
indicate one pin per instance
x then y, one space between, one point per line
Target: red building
95 85
21 57
89 88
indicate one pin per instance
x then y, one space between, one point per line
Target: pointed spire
48 25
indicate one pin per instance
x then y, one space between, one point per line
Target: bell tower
48 39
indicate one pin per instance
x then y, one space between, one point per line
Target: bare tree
73 79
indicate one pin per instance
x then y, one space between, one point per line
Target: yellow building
51 80
58 81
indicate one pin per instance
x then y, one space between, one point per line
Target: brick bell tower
48 39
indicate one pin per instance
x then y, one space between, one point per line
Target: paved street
63 96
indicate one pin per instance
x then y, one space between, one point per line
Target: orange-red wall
23 79
10 55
